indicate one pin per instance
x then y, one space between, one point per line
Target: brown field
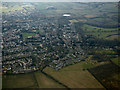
108 74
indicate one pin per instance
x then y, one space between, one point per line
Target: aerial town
31 44
32 40
68 45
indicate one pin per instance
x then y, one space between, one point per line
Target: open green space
74 76
116 61
0 81
18 81
101 33
79 20
102 55
16 7
73 21
107 52
11 9
28 35
94 28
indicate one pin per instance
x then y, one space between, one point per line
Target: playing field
28 35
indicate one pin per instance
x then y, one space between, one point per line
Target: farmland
18 81
30 80
74 76
104 52
45 82
16 8
116 60
108 75
101 33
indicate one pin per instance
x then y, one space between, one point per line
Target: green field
12 9
18 81
99 32
16 7
73 21
107 52
0 81
74 76
45 82
116 61
28 35
79 20
31 80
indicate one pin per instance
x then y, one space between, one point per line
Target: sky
59 0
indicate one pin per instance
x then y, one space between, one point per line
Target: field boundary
97 79
49 76
36 82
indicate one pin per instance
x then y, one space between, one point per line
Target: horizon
60 1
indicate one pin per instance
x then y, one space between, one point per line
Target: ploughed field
108 74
